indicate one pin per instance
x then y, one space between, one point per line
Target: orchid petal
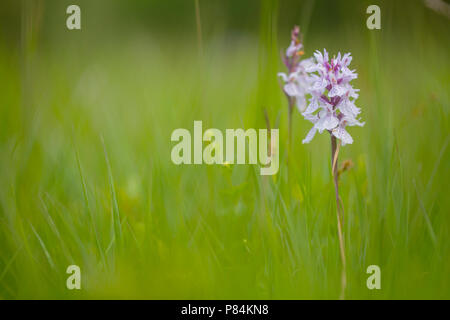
310 135
343 135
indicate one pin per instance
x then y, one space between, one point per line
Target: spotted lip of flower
332 103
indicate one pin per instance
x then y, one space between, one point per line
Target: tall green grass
86 175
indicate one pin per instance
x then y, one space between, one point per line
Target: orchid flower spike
332 103
296 81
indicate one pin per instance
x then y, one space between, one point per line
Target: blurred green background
86 176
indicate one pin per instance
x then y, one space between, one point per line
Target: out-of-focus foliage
145 228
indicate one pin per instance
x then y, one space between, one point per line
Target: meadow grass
86 175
